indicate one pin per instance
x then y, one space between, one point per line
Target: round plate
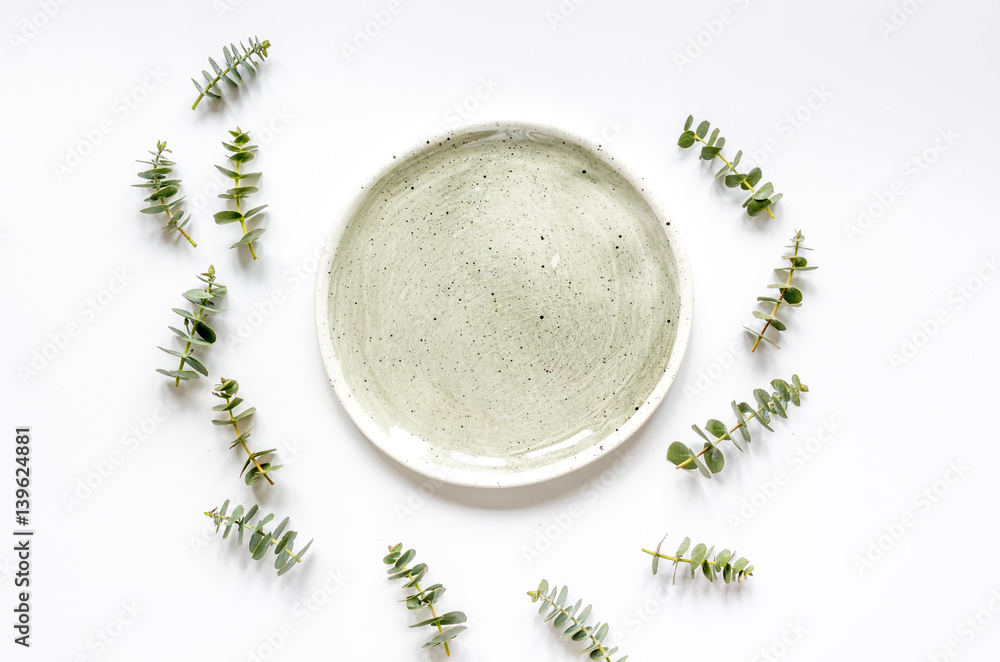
502 306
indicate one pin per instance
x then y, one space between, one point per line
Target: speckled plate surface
502 306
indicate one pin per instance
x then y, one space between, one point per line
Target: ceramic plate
502 306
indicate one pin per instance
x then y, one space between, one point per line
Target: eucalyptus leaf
701 466
679 453
717 428
713 458
227 216
445 636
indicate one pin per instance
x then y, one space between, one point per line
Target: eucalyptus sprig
196 331
774 403
423 598
163 190
260 540
574 620
240 152
787 295
724 563
253 467
231 74
761 199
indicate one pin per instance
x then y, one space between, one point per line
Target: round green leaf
792 295
714 458
678 453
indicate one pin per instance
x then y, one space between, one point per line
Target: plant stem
187 347
430 606
788 282
170 216
669 558
236 427
675 559
239 210
187 236
589 631
705 142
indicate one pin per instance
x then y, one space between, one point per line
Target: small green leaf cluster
231 74
197 332
253 467
240 152
710 459
787 295
423 598
761 199
260 540
724 563
163 189
554 608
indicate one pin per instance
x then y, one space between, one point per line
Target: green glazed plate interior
502 306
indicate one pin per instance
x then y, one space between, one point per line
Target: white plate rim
483 476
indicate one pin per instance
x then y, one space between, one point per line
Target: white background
78 93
